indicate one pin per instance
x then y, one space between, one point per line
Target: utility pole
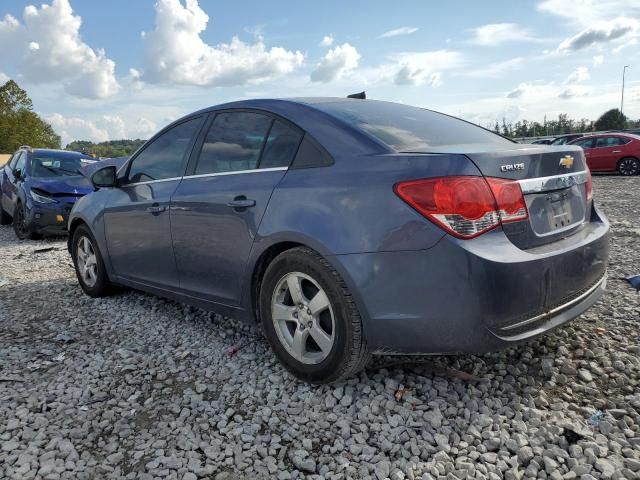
622 96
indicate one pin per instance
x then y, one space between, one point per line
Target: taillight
465 206
589 186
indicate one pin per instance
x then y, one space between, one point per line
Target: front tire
21 227
628 166
310 318
88 263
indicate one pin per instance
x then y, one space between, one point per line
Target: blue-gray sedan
348 228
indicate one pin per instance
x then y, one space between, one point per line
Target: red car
612 152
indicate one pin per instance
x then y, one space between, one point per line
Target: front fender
89 210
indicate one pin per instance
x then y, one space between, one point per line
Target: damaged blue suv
38 188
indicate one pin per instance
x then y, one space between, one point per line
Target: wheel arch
632 157
266 255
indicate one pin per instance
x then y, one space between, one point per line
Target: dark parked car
38 188
564 139
349 228
542 141
612 152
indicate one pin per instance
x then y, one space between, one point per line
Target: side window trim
127 167
264 142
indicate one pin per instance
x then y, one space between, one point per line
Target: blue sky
104 70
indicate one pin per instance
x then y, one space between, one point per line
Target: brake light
465 206
589 186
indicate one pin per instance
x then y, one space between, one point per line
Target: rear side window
281 146
233 143
604 142
311 154
164 157
409 129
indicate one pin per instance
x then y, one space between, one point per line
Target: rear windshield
409 129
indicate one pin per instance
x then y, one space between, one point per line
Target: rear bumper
479 295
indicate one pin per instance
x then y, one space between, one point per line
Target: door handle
616 151
155 209
241 202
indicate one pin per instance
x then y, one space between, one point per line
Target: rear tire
20 226
320 307
88 263
628 166
5 218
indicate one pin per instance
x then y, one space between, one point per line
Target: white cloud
104 128
327 41
175 52
497 33
3 78
399 31
587 12
575 91
48 48
598 60
336 63
424 68
621 29
580 74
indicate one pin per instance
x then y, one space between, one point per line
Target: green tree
19 124
612 119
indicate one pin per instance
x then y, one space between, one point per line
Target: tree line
610 120
110 149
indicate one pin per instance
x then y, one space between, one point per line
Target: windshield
410 129
42 167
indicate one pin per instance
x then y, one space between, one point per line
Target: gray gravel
138 387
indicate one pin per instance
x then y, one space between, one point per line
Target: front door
136 215
216 211
9 194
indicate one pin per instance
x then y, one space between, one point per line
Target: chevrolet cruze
347 228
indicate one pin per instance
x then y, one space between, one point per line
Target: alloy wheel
87 263
628 167
303 318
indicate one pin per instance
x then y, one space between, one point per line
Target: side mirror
105 177
17 173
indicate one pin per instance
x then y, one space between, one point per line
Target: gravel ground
139 387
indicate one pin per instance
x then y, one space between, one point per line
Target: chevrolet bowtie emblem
566 162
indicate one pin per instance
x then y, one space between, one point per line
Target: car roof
59 153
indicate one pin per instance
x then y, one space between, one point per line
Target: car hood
62 186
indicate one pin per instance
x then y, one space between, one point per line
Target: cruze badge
566 162
512 167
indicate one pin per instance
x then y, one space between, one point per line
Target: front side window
587 143
281 146
233 143
20 163
12 162
164 157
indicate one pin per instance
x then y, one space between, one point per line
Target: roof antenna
359 96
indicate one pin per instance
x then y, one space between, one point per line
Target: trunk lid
553 180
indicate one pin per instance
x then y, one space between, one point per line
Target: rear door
136 215
605 154
217 208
